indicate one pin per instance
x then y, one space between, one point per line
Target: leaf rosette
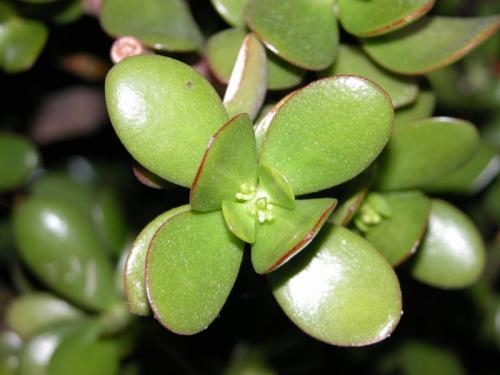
246 185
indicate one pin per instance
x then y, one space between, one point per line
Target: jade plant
363 130
314 140
243 190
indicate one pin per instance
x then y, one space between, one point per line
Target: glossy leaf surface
423 107
246 89
288 232
471 177
232 11
352 60
60 246
18 159
452 253
286 28
134 275
29 313
222 49
398 236
375 17
326 133
166 105
430 43
161 24
191 267
229 163
341 291
21 42
421 151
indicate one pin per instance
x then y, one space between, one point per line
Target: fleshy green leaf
282 75
39 350
222 50
352 60
424 150
302 32
288 232
423 107
134 275
239 220
341 291
18 160
32 312
164 104
399 235
231 11
161 24
452 253
191 267
275 187
229 165
246 89
60 246
375 17
21 42
471 177
430 43
326 133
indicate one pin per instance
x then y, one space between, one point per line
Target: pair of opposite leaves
188 258
305 33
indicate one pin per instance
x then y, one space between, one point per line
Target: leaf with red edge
288 232
431 43
228 166
326 133
135 288
191 267
376 17
341 291
247 86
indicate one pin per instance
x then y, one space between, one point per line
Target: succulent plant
244 181
317 142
